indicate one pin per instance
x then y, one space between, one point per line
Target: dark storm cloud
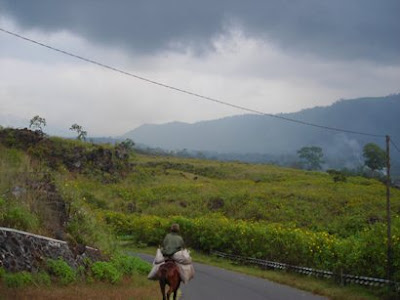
343 29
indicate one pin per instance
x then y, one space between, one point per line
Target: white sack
186 272
159 257
158 261
182 257
153 273
183 261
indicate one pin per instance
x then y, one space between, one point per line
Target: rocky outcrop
23 251
82 158
20 138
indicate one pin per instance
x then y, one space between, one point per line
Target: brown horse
168 273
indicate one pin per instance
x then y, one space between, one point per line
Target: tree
311 157
128 145
337 176
375 156
81 133
37 123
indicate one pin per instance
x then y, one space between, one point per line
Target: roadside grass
136 287
323 287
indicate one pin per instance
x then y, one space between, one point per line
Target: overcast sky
272 56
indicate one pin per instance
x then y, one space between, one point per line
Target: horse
168 273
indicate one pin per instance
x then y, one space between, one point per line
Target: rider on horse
169 272
172 243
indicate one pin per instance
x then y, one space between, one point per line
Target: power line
393 143
188 92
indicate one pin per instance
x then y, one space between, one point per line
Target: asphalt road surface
211 283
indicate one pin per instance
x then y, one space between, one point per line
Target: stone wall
23 251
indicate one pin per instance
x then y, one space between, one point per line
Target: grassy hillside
90 193
166 186
33 171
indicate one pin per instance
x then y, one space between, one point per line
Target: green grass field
166 186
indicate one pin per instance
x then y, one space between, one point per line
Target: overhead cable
189 92
395 146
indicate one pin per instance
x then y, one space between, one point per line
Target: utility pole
389 222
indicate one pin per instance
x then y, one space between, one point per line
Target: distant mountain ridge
265 134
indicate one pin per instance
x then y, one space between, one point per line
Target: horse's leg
177 288
169 292
175 292
162 287
176 283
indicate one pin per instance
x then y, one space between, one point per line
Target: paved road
211 283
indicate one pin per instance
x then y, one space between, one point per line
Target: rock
18 191
22 251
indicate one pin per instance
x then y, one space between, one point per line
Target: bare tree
37 123
79 130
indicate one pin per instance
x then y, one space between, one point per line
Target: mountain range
276 136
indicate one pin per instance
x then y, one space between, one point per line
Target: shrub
106 271
61 270
83 225
337 176
142 267
16 280
129 265
42 278
361 254
2 209
19 217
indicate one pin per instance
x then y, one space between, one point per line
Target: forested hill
264 134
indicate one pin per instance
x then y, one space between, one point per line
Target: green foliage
206 171
85 228
375 157
94 201
111 271
106 271
119 266
129 265
127 144
15 197
17 216
311 157
362 254
23 279
337 176
12 163
2 209
14 157
60 269
42 278
16 280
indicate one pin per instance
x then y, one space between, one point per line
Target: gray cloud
340 29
